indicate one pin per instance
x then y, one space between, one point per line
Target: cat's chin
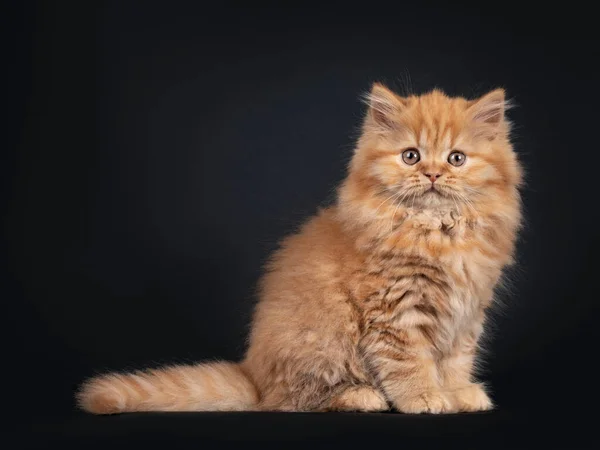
434 198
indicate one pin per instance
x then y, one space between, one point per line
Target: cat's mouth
432 190
435 194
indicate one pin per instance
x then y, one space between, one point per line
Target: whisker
467 201
455 203
393 216
381 204
414 198
476 191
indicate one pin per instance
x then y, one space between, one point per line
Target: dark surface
510 429
157 152
500 429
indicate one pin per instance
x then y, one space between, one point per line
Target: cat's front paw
431 402
472 398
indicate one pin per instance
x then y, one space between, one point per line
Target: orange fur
380 299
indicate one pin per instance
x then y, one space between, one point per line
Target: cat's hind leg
360 397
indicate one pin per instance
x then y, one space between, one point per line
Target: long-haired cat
378 301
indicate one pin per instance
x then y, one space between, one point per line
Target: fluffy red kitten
378 301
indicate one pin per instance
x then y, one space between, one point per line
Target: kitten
378 301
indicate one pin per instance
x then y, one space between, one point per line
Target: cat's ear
384 107
487 112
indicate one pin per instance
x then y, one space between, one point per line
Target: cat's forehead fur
434 119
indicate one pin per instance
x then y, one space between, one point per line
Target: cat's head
434 151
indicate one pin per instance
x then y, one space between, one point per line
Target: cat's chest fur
427 273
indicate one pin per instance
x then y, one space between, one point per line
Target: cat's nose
433 176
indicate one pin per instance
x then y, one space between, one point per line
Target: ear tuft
489 109
384 106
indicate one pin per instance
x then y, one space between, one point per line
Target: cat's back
304 281
320 252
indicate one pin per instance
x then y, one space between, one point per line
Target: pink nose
433 176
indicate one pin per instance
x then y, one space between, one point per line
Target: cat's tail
219 386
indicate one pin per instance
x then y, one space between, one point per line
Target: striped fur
378 301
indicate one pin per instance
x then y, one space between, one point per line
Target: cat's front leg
465 394
402 362
471 397
456 374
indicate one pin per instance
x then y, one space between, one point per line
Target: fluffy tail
218 386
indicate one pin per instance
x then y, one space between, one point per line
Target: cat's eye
411 156
457 158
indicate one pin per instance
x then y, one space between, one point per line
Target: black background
157 151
